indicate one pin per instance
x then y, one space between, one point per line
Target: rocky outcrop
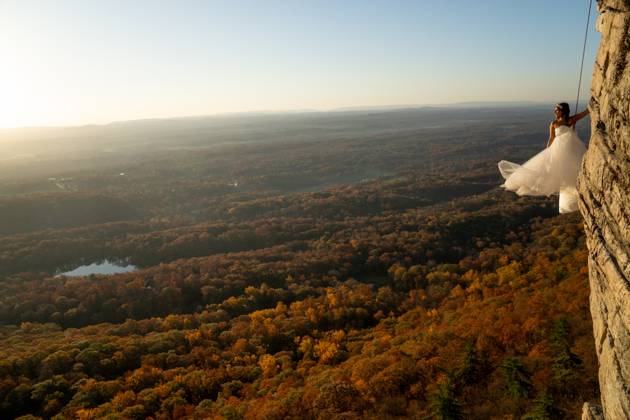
592 412
604 187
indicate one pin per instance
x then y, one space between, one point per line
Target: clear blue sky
82 61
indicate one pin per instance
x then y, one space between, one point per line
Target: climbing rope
588 19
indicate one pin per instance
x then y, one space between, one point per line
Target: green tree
516 377
565 364
544 408
469 369
443 403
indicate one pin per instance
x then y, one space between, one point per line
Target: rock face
604 187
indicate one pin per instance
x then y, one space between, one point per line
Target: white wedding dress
552 171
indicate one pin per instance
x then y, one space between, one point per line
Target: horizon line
365 108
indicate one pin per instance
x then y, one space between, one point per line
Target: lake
103 267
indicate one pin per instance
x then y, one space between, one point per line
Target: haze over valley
363 241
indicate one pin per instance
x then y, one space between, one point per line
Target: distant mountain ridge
263 113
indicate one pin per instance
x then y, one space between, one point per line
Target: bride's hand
578 117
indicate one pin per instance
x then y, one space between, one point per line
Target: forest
360 264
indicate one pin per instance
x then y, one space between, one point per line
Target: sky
75 62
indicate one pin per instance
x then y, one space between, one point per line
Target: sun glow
24 82
35 87
16 94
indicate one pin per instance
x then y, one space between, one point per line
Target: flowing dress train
552 171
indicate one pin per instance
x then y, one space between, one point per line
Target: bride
555 169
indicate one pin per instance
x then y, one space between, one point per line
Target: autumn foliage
472 308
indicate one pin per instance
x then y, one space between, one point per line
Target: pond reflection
103 267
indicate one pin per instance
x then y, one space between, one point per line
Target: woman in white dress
555 169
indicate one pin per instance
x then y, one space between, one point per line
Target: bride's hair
564 108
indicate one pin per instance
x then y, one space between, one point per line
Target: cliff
604 187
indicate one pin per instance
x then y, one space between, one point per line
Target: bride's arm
552 134
578 117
